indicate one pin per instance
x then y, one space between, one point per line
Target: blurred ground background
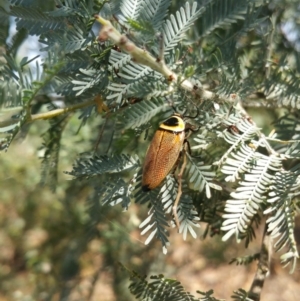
46 252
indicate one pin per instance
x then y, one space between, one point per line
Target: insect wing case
163 152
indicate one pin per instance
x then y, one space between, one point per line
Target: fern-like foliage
162 201
187 217
138 13
208 296
256 172
131 10
282 210
282 86
257 175
113 193
154 12
249 195
36 21
245 260
158 288
174 28
138 114
156 222
88 165
118 59
220 14
28 86
200 177
114 190
69 41
134 75
16 42
12 130
91 81
239 131
239 163
240 295
288 131
10 94
132 78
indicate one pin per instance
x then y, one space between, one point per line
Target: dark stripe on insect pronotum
163 151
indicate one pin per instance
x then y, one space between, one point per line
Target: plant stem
57 112
143 57
263 267
50 114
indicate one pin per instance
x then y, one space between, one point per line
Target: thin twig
50 114
282 141
57 112
263 267
267 145
179 192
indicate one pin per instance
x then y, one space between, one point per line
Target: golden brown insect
163 151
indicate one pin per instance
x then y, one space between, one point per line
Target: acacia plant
130 64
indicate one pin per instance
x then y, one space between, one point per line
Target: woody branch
143 57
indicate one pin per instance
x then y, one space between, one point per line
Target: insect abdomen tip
146 188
